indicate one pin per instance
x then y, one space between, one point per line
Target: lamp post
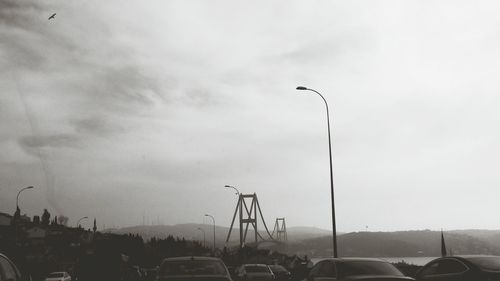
78 222
17 199
213 219
201 229
334 228
230 186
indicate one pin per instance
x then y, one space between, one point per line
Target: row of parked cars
453 268
213 269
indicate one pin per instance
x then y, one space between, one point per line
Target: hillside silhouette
402 243
190 231
316 242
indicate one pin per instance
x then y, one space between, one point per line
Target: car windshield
349 268
56 275
486 263
277 268
192 267
256 268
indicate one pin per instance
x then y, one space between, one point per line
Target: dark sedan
344 269
193 269
462 268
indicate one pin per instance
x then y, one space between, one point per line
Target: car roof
2 255
192 258
312 262
254 264
464 258
360 259
350 259
473 256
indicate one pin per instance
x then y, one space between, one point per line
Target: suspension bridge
248 211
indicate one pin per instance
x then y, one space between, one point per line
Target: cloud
75 81
18 28
79 75
33 144
17 13
177 98
98 126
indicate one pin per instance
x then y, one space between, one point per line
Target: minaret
443 245
95 226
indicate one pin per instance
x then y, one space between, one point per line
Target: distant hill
304 232
491 236
316 242
401 244
190 231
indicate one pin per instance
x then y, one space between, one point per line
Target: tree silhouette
45 217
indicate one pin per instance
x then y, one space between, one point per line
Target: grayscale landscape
225 140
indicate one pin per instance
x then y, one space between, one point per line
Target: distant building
25 219
5 219
36 233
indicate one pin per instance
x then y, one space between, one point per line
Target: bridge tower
247 208
280 230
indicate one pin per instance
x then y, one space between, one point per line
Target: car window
277 268
350 268
314 270
449 266
256 268
446 266
8 272
429 269
326 269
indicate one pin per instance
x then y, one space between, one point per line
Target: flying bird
53 16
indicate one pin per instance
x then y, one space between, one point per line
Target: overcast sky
124 109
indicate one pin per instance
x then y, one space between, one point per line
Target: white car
255 272
58 276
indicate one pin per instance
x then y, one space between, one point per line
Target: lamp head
301 88
29 187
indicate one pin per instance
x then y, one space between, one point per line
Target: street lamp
78 222
230 186
201 229
207 215
331 169
17 199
